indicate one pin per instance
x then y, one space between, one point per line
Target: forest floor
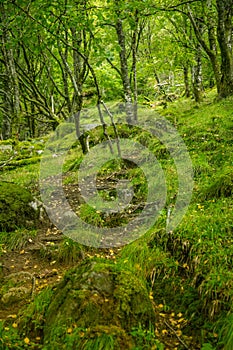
47 269
188 272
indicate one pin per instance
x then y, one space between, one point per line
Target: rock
16 210
14 295
96 294
15 288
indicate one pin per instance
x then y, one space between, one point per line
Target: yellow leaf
164 331
179 333
69 330
14 325
151 296
37 338
26 340
12 316
179 314
160 306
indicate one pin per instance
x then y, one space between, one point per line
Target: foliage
16 240
188 270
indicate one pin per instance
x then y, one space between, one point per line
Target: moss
98 295
222 184
15 209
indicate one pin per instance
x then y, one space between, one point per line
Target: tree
10 94
224 30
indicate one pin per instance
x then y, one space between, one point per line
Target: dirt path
41 260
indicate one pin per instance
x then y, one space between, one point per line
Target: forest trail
40 259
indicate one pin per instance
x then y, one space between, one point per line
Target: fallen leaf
12 316
26 340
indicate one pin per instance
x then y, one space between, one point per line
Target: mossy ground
187 273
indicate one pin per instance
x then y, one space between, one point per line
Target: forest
116 174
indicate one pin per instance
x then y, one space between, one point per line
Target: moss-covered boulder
16 208
15 288
96 304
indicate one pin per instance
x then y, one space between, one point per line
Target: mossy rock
15 288
15 207
94 294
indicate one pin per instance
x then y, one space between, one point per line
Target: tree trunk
186 80
125 71
224 31
11 96
197 76
210 49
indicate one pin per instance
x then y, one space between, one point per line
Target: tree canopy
56 56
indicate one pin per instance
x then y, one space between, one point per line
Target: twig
114 128
7 161
180 340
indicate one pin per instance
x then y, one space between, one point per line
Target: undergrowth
188 269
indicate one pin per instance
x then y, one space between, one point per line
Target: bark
211 23
124 71
134 71
186 81
224 31
210 49
197 77
11 94
134 63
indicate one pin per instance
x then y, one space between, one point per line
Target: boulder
96 304
16 207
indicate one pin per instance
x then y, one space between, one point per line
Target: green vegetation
129 297
15 207
123 79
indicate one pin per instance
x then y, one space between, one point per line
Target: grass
16 240
190 268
